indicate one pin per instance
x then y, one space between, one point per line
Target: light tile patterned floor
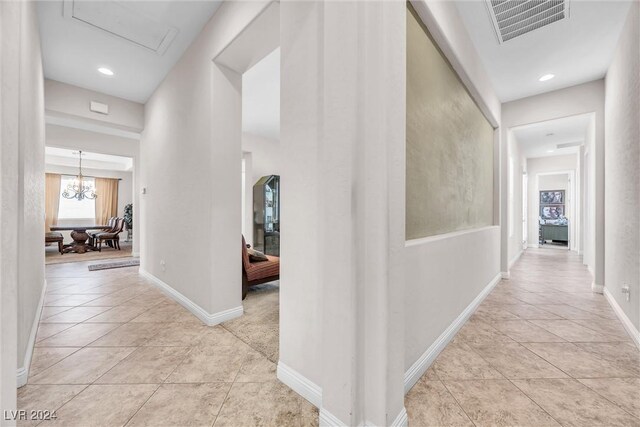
112 350
542 350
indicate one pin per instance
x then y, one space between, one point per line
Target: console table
554 232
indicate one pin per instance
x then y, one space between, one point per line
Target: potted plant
128 219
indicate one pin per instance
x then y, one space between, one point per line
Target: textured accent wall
449 181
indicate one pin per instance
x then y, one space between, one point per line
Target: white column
10 15
226 188
359 140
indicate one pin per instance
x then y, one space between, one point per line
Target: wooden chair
55 237
112 236
256 273
111 224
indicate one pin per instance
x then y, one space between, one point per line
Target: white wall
261 98
183 141
516 165
538 171
65 100
444 274
622 168
343 135
554 182
581 99
265 155
22 167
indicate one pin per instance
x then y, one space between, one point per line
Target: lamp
78 189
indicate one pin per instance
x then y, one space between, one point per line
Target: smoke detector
513 18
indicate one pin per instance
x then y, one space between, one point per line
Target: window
73 208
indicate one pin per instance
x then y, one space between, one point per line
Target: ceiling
80 36
261 97
64 157
577 50
541 139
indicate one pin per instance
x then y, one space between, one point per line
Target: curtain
107 200
51 199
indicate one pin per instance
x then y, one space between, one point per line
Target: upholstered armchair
54 237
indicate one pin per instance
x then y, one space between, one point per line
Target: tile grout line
604 397
227 395
536 403
444 384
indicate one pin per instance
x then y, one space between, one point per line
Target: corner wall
67 101
179 146
22 216
622 171
516 165
445 274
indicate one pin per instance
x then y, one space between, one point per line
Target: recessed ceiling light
549 151
546 77
105 71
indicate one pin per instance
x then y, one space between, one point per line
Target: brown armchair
111 224
256 273
55 237
113 235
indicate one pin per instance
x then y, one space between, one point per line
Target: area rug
259 327
117 264
52 256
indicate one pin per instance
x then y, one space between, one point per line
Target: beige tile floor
111 350
542 350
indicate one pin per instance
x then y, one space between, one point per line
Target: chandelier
79 189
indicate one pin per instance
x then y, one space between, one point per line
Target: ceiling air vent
513 18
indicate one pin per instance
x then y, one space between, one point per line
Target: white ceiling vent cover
513 18
117 19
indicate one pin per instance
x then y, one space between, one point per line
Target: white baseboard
626 322
402 420
207 318
597 288
421 365
135 254
300 384
313 393
515 258
327 419
505 275
23 371
533 245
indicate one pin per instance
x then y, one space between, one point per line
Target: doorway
103 204
556 210
246 110
260 200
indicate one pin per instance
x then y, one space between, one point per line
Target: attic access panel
513 18
119 20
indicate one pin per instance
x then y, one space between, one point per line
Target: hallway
112 350
541 350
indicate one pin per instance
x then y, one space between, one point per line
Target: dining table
80 236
